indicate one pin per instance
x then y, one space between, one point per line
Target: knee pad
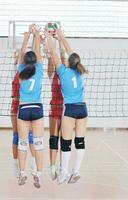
23 144
79 143
30 137
15 138
65 145
53 142
38 143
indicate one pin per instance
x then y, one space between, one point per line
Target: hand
46 33
42 39
38 29
31 28
59 31
56 37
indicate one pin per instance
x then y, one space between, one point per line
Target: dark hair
75 63
29 60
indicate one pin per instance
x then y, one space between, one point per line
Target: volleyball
51 27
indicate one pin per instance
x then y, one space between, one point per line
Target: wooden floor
104 170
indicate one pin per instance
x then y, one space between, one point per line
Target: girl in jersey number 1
75 112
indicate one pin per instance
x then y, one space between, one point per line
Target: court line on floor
115 152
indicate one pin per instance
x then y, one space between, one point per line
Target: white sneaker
53 172
74 178
37 180
62 178
22 178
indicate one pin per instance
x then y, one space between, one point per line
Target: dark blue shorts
30 112
77 110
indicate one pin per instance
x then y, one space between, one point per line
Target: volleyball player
55 110
30 108
14 111
75 112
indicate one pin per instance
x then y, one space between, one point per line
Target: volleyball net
106 85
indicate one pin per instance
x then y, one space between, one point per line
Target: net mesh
106 85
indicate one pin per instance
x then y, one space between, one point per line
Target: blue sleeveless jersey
71 84
30 90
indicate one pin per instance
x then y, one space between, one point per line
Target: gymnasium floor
104 170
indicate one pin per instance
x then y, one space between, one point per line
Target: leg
15 144
54 137
80 148
54 125
31 146
23 130
15 136
68 125
37 128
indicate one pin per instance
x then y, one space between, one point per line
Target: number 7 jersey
71 84
30 89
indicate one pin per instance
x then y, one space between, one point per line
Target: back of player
75 112
30 108
30 88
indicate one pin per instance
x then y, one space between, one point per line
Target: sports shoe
62 178
37 180
33 166
22 178
53 172
74 178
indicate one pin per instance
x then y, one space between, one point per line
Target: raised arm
55 59
16 55
37 46
24 44
34 43
61 50
64 42
50 68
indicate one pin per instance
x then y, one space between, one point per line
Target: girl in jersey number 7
75 112
30 107
14 111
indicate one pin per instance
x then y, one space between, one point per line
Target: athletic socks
53 172
78 160
65 157
16 168
33 164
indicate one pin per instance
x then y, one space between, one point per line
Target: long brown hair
30 60
75 63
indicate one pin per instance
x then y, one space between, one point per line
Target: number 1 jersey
71 84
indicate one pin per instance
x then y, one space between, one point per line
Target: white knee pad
38 143
23 144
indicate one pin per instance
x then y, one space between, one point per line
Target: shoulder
39 65
21 67
39 68
61 69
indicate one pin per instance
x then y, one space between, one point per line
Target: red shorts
15 86
56 111
14 106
